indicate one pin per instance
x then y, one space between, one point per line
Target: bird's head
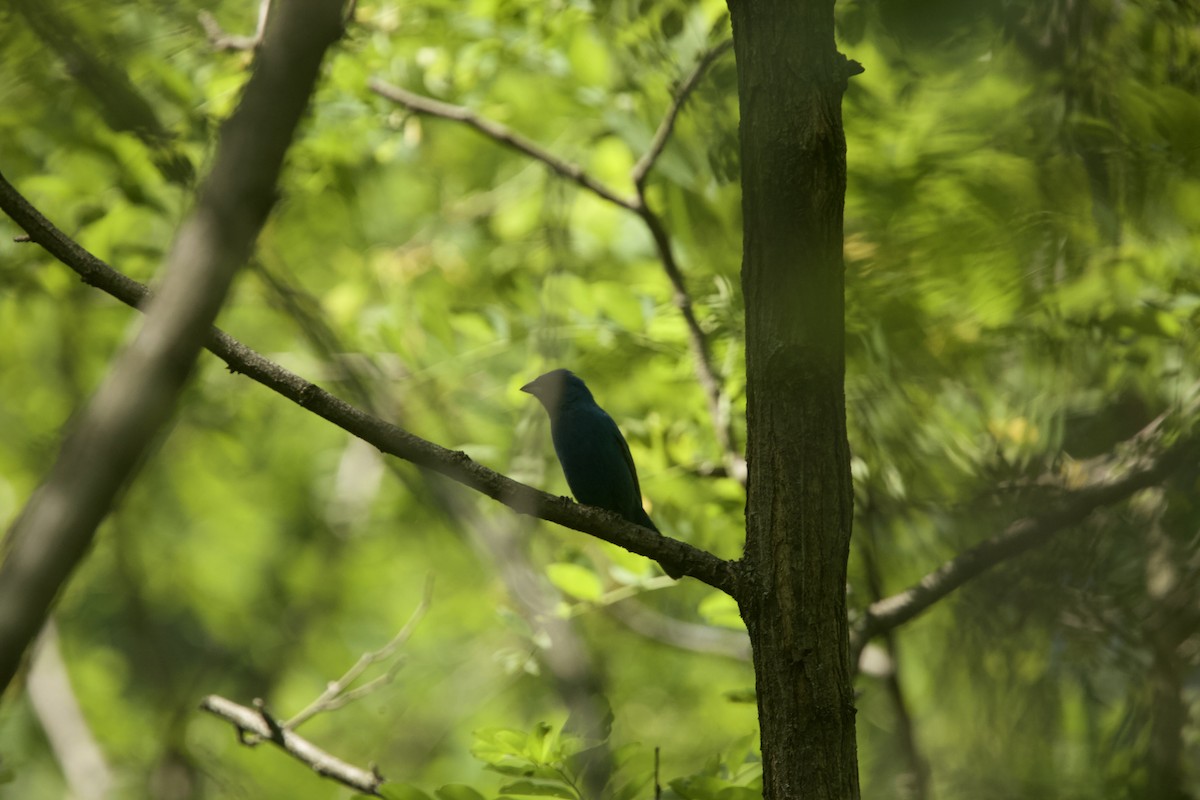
557 388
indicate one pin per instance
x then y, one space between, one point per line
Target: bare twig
338 693
699 564
221 40
504 135
657 784
255 725
710 382
112 433
642 168
718 403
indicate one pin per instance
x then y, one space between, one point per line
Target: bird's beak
529 388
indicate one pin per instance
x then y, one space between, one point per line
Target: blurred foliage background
1022 223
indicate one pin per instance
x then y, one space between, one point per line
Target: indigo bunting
594 456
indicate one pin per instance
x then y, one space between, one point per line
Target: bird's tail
643 519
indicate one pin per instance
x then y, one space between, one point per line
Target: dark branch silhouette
1115 479
112 433
388 438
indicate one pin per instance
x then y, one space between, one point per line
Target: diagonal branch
699 564
108 440
54 702
1027 533
678 633
642 168
710 382
255 725
718 404
504 135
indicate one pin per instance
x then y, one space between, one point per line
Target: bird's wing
628 456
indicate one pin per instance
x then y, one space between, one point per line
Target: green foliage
1022 226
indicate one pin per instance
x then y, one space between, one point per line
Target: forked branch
255 725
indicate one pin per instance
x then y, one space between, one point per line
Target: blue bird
594 456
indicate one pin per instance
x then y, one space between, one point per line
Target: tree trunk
799 508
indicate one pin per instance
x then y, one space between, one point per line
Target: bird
594 456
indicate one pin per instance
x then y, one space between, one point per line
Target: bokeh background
1023 293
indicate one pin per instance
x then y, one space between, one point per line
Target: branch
1024 534
221 40
56 707
655 625
659 142
906 733
255 725
718 404
338 693
111 435
689 560
502 134
565 657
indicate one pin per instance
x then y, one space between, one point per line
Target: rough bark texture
790 81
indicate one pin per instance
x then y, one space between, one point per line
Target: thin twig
906 732
646 163
710 382
336 694
221 40
254 726
504 135
657 785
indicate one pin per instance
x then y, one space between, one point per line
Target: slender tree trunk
793 155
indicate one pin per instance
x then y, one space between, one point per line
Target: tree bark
799 507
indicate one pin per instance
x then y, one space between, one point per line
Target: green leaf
542 743
502 740
458 791
575 580
402 791
539 789
721 609
739 793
